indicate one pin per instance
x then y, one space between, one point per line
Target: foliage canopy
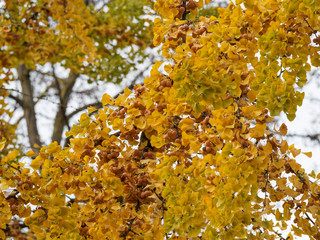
190 154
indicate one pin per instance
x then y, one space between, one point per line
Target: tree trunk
28 107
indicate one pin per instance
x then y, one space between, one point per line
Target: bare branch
17 99
95 105
313 137
44 93
28 95
19 120
86 92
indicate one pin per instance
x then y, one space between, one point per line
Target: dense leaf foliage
79 35
7 130
191 153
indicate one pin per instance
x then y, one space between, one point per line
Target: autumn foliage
85 40
191 153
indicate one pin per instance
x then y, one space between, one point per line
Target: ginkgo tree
191 153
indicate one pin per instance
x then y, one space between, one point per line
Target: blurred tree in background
52 49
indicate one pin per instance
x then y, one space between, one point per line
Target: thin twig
42 95
280 236
38 98
14 167
129 230
314 31
265 187
80 109
308 217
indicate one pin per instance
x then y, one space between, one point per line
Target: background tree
51 49
189 154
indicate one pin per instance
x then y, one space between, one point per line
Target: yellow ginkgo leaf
308 154
30 153
259 130
2 143
283 129
107 99
36 163
12 155
91 109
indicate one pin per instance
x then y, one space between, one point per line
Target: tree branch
43 95
28 95
17 99
64 92
313 137
19 120
95 105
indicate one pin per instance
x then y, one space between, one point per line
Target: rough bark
28 107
